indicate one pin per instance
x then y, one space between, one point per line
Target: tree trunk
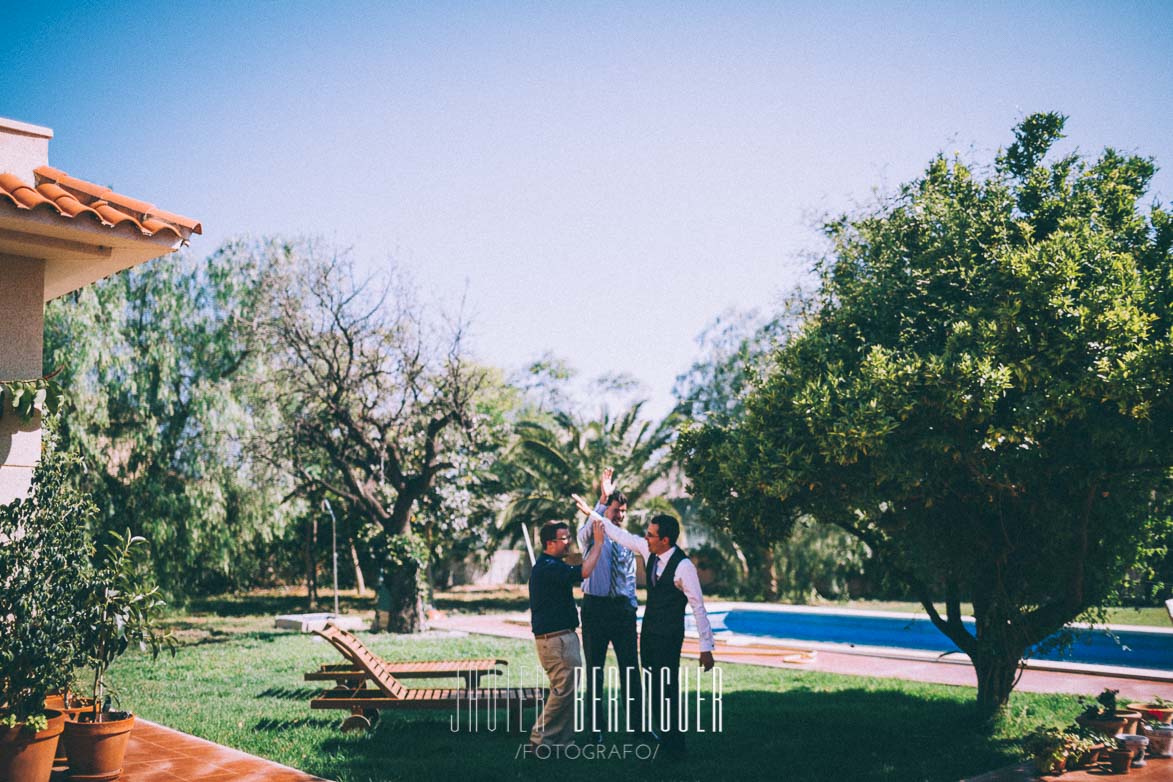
360 583
770 587
311 564
406 614
996 675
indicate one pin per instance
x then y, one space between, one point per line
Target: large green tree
980 395
162 377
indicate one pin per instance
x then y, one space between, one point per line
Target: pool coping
725 605
898 653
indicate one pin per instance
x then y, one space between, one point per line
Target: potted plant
1160 738
120 610
1137 743
44 555
1156 708
1086 747
1105 717
1119 757
1048 748
69 703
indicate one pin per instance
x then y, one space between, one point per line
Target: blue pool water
1129 648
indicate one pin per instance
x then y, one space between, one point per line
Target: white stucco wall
22 319
23 147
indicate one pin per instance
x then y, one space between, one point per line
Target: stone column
22 321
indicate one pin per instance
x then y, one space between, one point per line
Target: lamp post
334 544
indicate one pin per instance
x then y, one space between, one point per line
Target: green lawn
238 682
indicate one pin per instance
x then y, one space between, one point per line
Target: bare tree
375 399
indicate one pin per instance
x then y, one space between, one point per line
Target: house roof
82 231
70 199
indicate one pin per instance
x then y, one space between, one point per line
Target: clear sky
603 178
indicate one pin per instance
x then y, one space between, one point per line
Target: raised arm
583 535
621 536
606 486
588 564
584 530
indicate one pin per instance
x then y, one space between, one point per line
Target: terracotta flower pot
1121 760
1050 767
1137 743
1108 726
1086 759
96 749
1131 720
76 706
1151 712
28 757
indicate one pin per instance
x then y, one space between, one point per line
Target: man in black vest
672 584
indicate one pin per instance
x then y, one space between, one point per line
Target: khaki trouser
559 655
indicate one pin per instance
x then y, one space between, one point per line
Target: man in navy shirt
554 619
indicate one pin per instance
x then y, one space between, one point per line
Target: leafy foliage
558 455
164 381
119 609
28 397
816 558
979 396
44 559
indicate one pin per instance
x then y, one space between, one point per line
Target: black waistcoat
664 614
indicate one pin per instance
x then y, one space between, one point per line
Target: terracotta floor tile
159 754
152 776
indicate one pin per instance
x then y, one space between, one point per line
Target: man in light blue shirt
608 617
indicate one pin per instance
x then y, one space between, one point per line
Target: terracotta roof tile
71 198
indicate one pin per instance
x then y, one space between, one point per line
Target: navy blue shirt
551 601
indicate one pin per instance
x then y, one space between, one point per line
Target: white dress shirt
685 578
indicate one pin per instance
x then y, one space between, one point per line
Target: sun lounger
349 673
364 703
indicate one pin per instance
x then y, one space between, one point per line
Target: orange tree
980 394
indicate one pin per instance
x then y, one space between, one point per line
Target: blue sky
602 178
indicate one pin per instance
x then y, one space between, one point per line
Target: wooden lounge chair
364 704
349 673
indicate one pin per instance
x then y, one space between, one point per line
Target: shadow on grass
277 726
798 735
248 605
217 637
291 693
261 605
482 605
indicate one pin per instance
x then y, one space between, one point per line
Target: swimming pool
1130 647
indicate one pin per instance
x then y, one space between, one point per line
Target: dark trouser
661 657
610 620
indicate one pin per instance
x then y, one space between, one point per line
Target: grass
238 682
